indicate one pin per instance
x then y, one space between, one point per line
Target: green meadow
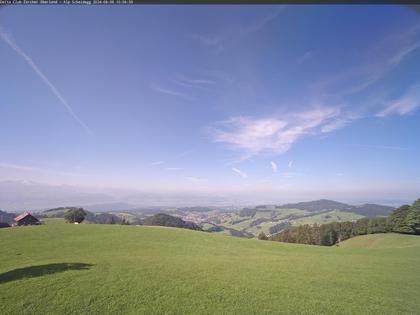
113 269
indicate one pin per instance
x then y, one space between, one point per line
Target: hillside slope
388 240
369 210
113 269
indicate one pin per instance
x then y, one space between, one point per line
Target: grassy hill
389 240
114 269
270 219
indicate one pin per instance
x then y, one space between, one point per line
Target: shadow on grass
41 270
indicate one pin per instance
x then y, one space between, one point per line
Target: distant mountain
369 210
317 205
196 209
372 210
112 206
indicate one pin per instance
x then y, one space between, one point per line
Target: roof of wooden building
22 216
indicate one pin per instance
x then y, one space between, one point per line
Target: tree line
78 215
405 219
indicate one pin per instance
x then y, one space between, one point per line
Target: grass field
50 221
113 269
383 241
328 217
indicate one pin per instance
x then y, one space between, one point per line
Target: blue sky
309 101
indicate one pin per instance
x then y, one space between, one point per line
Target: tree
262 236
75 215
397 220
329 235
346 230
125 221
413 217
361 226
377 225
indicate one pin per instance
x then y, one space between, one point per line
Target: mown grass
112 269
383 241
53 221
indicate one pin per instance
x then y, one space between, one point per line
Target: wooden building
26 219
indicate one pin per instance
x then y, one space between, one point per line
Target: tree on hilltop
75 215
397 220
262 236
413 217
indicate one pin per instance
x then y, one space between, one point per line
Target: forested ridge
405 219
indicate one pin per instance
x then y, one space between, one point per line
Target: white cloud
290 165
275 135
406 104
7 39
274 166
335 124
240 173
156 163
174 168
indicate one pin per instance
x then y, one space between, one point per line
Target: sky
304 101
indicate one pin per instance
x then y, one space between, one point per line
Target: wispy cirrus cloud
254 136
406 104
240 173
220 42
290 174
193 82
156 163
335 124
304 57
383 147
274 166
8 40
27 168
194 179
174 168
185 153
290 164
383 57
164 90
